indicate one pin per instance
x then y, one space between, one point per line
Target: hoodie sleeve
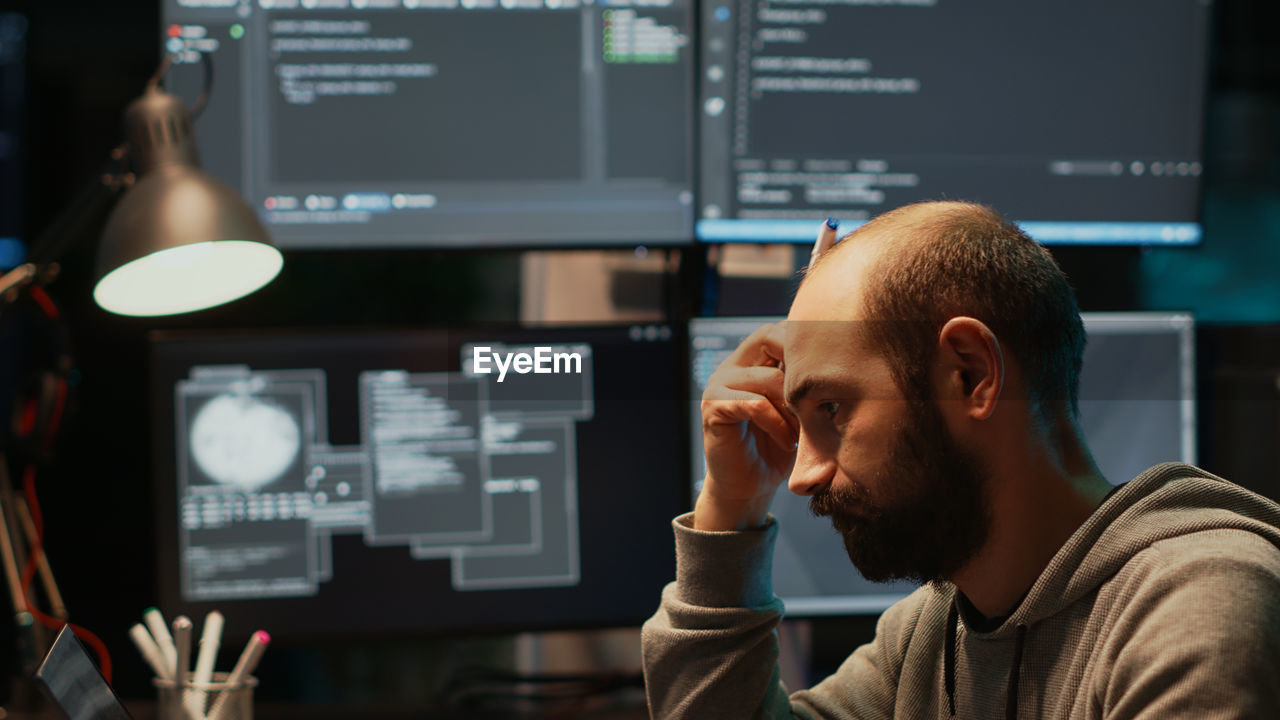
711 650
1201 638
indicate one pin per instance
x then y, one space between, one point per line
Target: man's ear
970 366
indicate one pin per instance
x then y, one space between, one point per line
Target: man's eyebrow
816 383
802 388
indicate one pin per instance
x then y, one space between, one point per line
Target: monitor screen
332 483
1137 409
1080 120
447 123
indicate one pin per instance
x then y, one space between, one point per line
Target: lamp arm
16 278
82 217
84 214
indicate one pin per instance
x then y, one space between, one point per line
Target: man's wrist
715 514
724 569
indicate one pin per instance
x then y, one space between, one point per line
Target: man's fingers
763 379
760 379
731 406
762 347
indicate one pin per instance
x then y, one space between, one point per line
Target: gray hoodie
1165 603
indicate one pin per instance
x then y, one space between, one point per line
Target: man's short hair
949 259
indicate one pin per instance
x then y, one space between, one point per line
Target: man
923 394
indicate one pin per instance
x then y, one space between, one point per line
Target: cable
45 302
28 575
92 640
36 558
41 414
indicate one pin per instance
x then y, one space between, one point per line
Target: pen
160 631
210 639
150 651
182 644
826 238
248 661
244 667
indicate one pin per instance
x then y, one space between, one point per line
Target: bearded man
923 393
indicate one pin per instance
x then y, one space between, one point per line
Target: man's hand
749 435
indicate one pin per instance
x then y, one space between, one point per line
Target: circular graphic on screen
244 441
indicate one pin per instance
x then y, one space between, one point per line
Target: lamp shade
180 239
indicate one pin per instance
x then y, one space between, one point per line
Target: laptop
72 682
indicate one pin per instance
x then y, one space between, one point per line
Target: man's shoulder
1192 628
1223 562
1215 545
1176 519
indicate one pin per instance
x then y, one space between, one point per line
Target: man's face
906 499
921 515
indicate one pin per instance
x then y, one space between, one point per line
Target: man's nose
814 469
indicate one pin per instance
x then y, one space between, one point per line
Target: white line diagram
453 466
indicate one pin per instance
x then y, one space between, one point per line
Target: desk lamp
177 239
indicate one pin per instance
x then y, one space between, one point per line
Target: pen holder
214 700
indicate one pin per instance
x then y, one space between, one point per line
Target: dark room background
86 60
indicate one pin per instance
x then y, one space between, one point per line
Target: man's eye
830 408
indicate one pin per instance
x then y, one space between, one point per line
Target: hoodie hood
1168 500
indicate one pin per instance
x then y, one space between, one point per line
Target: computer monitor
1081 121
1137 408
447 123
430 481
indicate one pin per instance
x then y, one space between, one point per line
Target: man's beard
929 514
